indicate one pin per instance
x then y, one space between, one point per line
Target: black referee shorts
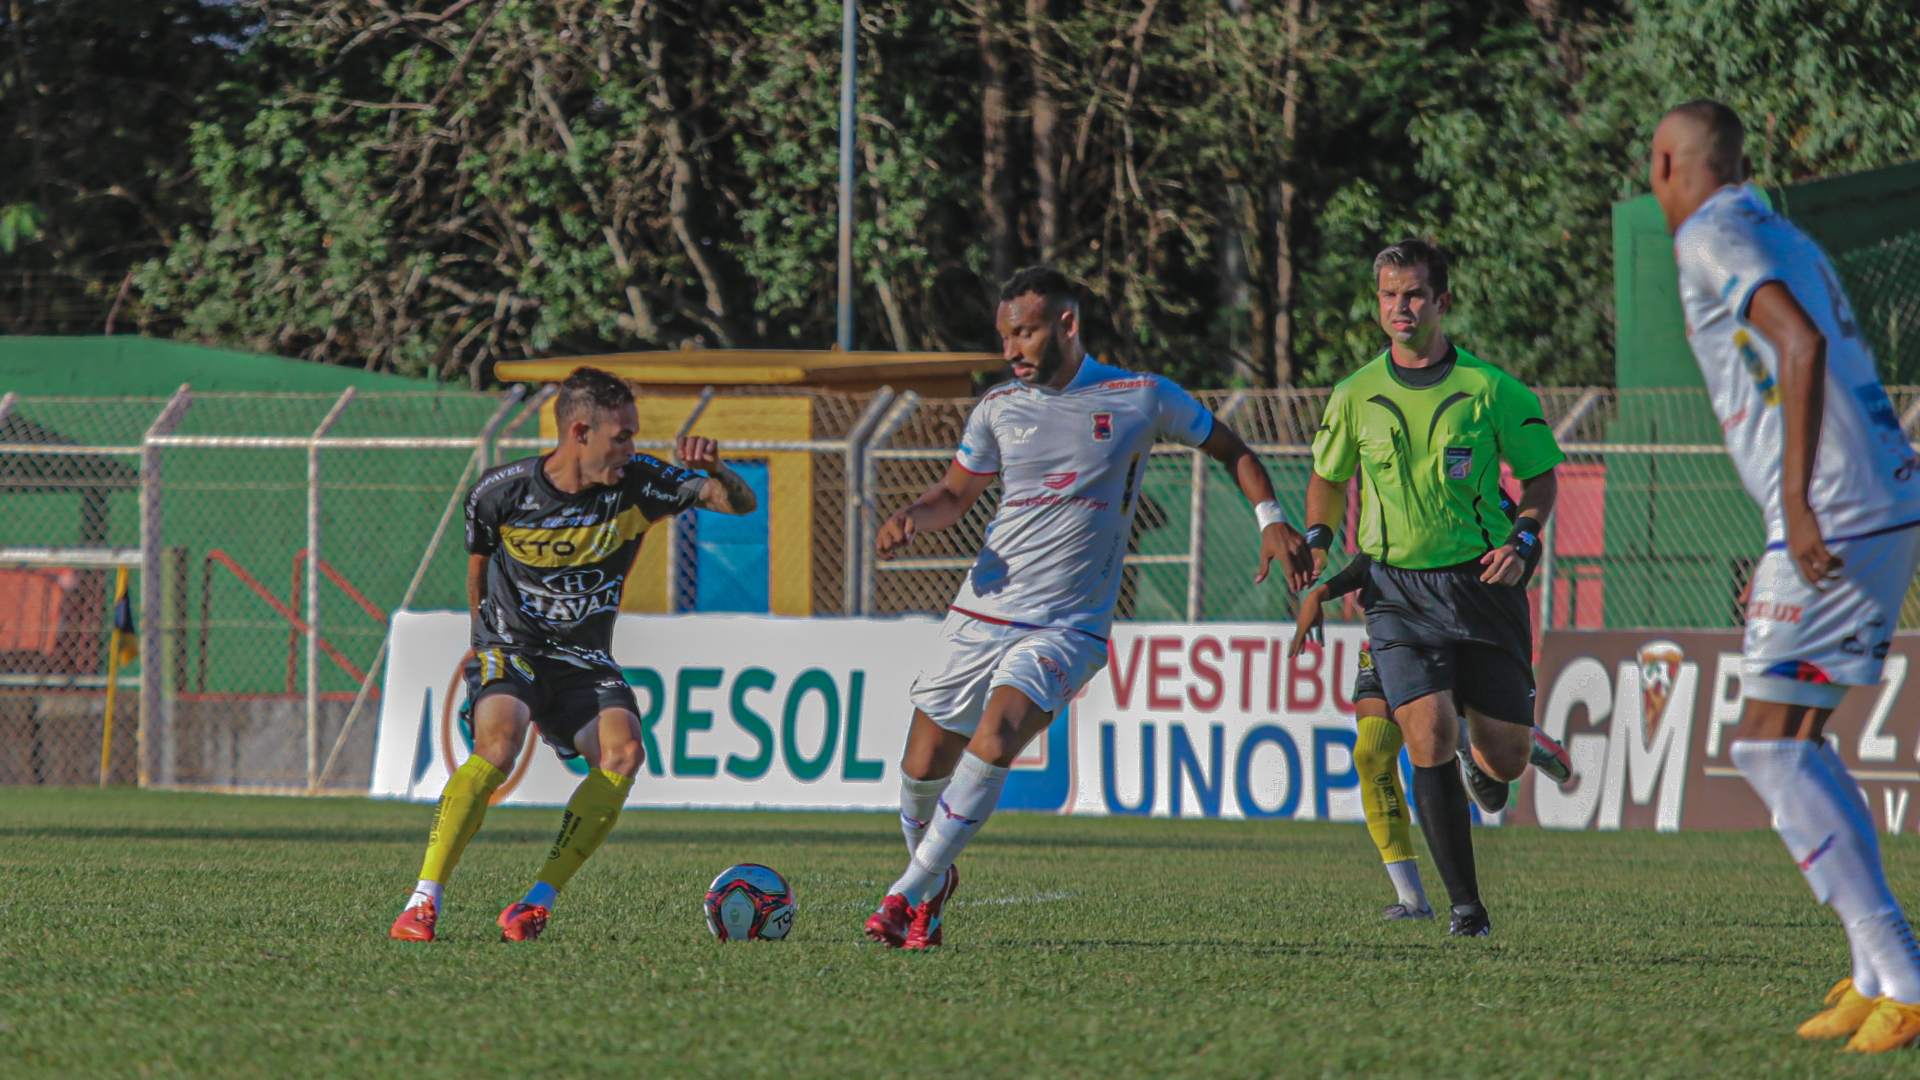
1445 630
562 694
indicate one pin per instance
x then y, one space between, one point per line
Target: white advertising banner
1205 720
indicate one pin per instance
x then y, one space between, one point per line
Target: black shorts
1366 681
1435 631
564 695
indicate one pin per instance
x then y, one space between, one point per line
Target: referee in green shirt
1426 425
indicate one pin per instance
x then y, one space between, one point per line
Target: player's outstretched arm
1802 350
724 492
1278 539
938 508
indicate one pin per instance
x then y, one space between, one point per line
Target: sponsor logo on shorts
1059 481
1871 638
1459 462
520 665
1773 611
1053 669
1103 427
1366 656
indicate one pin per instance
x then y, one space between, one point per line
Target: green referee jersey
1429 459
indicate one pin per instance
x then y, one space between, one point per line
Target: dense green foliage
212 936
432 185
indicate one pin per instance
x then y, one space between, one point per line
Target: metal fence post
313 585
897 418
152 696
1197 516
855 552
674 554
1569 424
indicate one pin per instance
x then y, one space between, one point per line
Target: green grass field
157 935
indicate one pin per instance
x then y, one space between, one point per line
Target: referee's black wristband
1525 540
1319 537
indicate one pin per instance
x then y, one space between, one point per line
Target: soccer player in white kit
1069 438
1816 443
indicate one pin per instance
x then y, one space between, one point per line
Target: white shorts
1048 664
1805 646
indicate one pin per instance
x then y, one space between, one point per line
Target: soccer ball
749 902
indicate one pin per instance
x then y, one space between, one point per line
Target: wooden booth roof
931 374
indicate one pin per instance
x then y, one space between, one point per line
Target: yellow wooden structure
667 383
928 374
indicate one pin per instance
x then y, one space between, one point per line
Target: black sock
1448 824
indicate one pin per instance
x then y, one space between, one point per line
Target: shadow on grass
641 833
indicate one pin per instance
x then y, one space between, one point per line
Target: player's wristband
1320 537
1525 540
1269 513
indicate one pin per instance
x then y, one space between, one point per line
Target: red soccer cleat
888 926
415 923
523 922
927 932
1551 758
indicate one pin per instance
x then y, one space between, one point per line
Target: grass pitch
157 935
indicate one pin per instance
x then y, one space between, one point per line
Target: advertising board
1648 718
1206 720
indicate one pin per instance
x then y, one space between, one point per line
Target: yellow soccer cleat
1846 1010
1891 1026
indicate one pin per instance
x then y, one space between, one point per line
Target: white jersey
1071 463
1864 472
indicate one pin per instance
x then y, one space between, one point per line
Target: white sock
1828 833
917 800
425 891
1831 759
1866 981
541 895
966 806
1405 875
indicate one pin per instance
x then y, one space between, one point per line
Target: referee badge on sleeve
1459 462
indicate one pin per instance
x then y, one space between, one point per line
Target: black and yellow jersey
557 563
1429 457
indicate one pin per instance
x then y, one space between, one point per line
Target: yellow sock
462 806
1376 756
590 815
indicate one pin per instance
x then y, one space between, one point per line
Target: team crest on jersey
1103 427
1059 481
1459 462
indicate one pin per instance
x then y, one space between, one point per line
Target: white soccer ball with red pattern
749 902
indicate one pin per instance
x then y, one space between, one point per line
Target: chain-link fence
272 536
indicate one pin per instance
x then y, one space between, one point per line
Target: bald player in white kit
1069 438
1817 444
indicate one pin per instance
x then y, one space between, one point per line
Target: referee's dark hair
1415 252
585 390
1043 281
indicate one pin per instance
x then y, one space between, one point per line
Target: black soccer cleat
1489 795
1470 920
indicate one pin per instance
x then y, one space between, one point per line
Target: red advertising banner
1648 718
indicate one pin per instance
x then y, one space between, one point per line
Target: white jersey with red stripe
1864 478
1071 463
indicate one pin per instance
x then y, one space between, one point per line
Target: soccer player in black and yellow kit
550 540
1426 425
